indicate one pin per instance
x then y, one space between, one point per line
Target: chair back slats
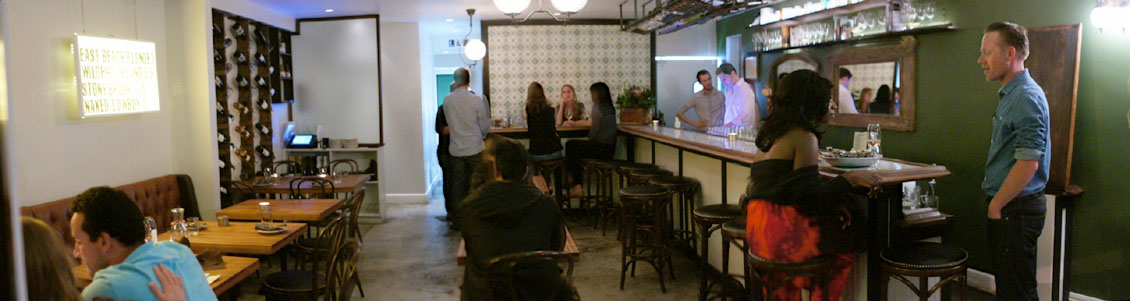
350 165
318 188
501 270
292 167
341 272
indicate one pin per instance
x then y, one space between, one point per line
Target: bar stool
642 207
733 233
552 170
924 260
644 176
761 269
708 219
685 189
605 208
627 168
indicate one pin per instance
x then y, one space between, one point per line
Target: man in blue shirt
1017 166
109 232
468 121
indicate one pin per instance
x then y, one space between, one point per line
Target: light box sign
115 76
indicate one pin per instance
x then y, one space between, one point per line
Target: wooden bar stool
761 269
708 219
684 188
602 201
924 260
552 171
627 168
646 224
644 177
733 233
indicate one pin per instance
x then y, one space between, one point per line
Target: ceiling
424 10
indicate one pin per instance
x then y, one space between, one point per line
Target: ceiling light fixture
514 7
473 49
329 10
449 20
1111 14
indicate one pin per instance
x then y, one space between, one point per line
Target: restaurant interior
253 132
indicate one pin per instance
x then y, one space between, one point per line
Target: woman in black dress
602 135
544 142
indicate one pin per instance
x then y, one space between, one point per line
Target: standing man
468 120
709 105
444 156
1017 168
741 103
846 103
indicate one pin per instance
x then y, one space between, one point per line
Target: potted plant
635 104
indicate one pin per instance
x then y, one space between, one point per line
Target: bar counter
523 133
722 166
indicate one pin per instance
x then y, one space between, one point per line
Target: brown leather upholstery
154 196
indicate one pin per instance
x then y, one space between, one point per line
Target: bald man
468 120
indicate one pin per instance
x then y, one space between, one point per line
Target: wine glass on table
874 138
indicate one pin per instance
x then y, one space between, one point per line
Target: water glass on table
150 229
265 215
874 138
194 226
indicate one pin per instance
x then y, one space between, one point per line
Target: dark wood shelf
824 14
874 37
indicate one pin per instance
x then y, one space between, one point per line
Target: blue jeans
1012 242
546 157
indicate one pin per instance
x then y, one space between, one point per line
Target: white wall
674 79
54 154
403 156
253 11
336 79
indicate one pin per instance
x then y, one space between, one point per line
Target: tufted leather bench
154 196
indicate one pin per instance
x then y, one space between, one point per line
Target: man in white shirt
846 103
741 102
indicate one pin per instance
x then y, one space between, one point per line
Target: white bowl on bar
852 162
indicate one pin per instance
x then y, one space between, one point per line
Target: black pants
1012 242
462 168
575 150
445 173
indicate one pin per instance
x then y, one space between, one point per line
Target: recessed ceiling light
454 30
329 10
449 20
445 52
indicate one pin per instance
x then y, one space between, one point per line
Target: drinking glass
150 229
265 215
323 172
193 226
177 231
930 200
874 138
910 198
268 172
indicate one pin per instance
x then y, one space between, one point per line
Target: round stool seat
718 213
651 173
643 191
734 228
674 182
636 166
924 256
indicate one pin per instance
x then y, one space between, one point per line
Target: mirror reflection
791 65
868 89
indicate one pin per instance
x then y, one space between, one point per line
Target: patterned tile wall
871 76
555 55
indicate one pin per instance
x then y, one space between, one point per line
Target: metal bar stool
643 207
708 219
762 270
605 207
924 260
685 189
733 233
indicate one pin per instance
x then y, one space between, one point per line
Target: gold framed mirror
880 89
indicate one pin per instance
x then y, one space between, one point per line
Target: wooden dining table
235 270
570 249
241 238
345 184
302 210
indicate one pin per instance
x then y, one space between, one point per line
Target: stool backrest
502 270
341 271
317 188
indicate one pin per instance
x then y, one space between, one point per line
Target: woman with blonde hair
570 111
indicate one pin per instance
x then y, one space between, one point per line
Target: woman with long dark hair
883 102
544 142
791 214
602 135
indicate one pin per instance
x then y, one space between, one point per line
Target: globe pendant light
568 6
511 7
475 49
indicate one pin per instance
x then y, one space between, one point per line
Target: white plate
853 162
281 229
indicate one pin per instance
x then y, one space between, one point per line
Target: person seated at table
544 143
865 98
506 215
883 102
602 136
792 215
109 232
48 268
570 112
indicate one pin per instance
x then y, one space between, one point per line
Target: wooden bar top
305 210
889 170
235 270
241 238
570 248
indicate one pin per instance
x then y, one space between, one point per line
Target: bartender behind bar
708 104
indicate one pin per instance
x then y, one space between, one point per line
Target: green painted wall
955 105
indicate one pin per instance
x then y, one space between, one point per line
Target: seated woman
883 102
506 215
544 142
570 111
792 215
602 136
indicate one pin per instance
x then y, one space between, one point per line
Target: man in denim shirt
1017 167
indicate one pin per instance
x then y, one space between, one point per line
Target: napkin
211 260
211 278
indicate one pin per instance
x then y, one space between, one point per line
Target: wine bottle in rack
228 42
263 151
262 59
272 91
261 81
238 106
216 30
271 70
220 111
264 104
219 82
242 81
243 131
231 118
263 129
221 138
222 164
216 56
259 34
243 154
238 31
240 57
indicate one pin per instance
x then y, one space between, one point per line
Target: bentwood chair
240 192
351 166
292 167
504 270
352 210
318 188
309 284
343 269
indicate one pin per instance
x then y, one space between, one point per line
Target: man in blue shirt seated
109 232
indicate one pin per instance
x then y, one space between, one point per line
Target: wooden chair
309 284
343 269
501 271
240 192
349 163
322 188
292 167
352 211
